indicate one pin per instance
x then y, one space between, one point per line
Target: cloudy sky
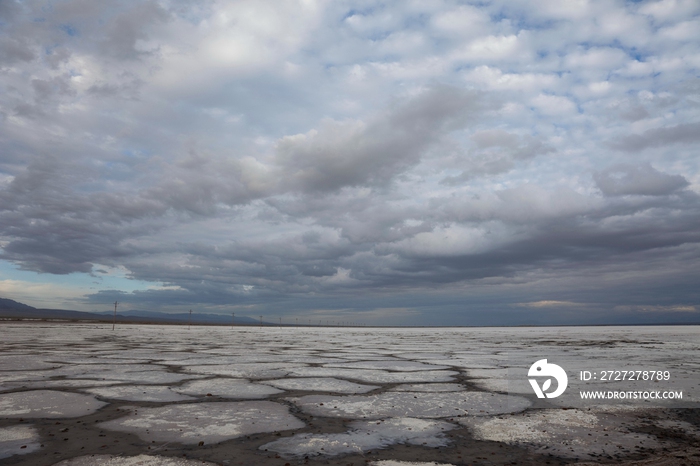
408 162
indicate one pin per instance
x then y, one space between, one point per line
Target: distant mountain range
13 310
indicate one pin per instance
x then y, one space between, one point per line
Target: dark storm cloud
357 153
679 134
626 179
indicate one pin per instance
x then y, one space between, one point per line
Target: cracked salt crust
205 422
18 440
47 403
364 436
411 404
139 393
227 388
375 375
562 432
141 460
321 384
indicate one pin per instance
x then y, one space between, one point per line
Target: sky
371 162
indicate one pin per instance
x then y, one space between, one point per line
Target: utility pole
114 322
189 322
233 319
260 321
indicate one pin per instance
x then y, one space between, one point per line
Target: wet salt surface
47 404
18 440
461 378
364 436
205 422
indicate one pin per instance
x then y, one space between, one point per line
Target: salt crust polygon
47 404
191 423
158 394
59 383
411 404
375 375
514 387
246 370
145 377
561 432
364 436
391 365
429 387
141 460
227 388
321 384
406 463
27 362
96 360
12 439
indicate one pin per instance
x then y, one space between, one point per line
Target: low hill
13 310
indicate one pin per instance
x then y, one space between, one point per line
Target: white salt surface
364 436
406 463
227 388
141 460
321 384
375 375
568 433
413 404
13 439
139 393
47 403
207 422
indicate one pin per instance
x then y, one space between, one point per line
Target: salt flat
385 396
